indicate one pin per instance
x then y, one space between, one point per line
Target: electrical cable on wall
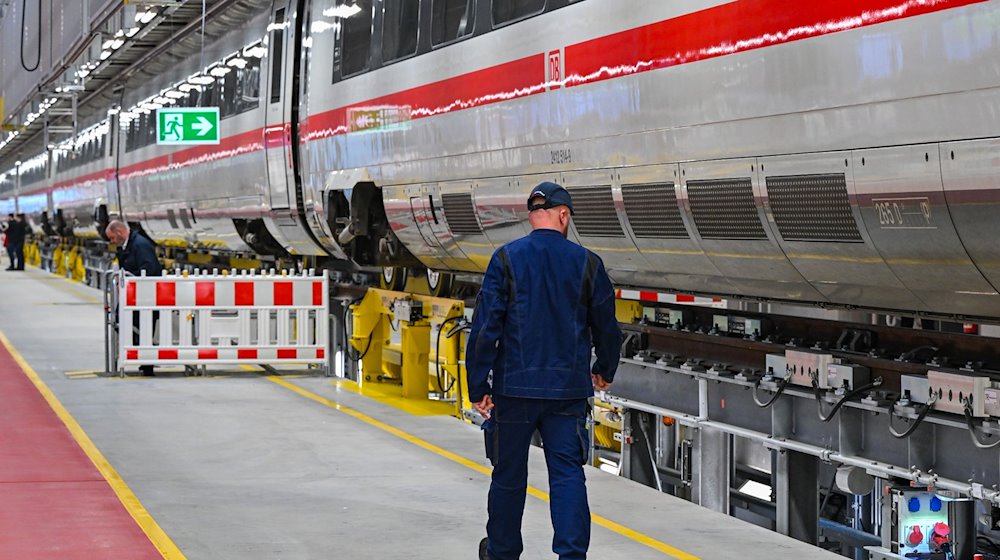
850 395
916 423
782 383
24 28
970 423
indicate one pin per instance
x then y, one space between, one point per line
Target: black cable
437 354
368 346
24 27
347 343
842 401
916 423
993 544
829 492
782 383
913 353
972 427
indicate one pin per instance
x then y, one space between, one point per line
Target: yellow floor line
597 519
392 395
156 535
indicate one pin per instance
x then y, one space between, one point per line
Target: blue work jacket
139 255
537 318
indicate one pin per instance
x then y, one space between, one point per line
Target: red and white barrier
658 297
207 319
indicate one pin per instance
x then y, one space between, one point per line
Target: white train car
836 154
829 153
225 196
34 193
82 178
8 194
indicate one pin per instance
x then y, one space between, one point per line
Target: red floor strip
54 503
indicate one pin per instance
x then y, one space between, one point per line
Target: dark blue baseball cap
553 194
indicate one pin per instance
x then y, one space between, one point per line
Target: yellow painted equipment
59 261
411 358
627 311
32 255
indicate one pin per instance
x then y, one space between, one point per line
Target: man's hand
484 406
599 383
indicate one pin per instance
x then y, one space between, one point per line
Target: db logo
555 70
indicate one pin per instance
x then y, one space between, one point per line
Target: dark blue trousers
16 251
566 442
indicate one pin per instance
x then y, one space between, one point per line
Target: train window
150 129
356 39
278 42
212 97
510 10
451 19
399 29
230 94
140 133
248 88
192 97
129 136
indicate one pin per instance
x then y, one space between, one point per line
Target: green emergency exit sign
187 126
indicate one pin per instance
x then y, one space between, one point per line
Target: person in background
545 302
3 230
16 232
136 255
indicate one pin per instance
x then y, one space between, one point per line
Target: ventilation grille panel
725 209
813 208
460 214
594 212
653 212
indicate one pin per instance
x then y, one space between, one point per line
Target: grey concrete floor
241 467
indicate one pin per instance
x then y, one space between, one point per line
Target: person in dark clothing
545 302
136 255
16 232
5 226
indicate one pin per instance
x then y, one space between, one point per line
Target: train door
277 124
106 202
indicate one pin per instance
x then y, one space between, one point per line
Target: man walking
545 302
136 255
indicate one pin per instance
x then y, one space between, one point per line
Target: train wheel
440 283
393 278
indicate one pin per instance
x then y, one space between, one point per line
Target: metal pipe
929 479
848 535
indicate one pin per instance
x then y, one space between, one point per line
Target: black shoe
483 555
146 371
9 268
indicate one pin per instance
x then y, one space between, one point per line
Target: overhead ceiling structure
136 40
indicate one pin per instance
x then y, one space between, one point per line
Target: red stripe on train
731 28
503 82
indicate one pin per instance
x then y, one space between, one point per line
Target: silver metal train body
825 153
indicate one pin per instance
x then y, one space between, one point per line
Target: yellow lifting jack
392 333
